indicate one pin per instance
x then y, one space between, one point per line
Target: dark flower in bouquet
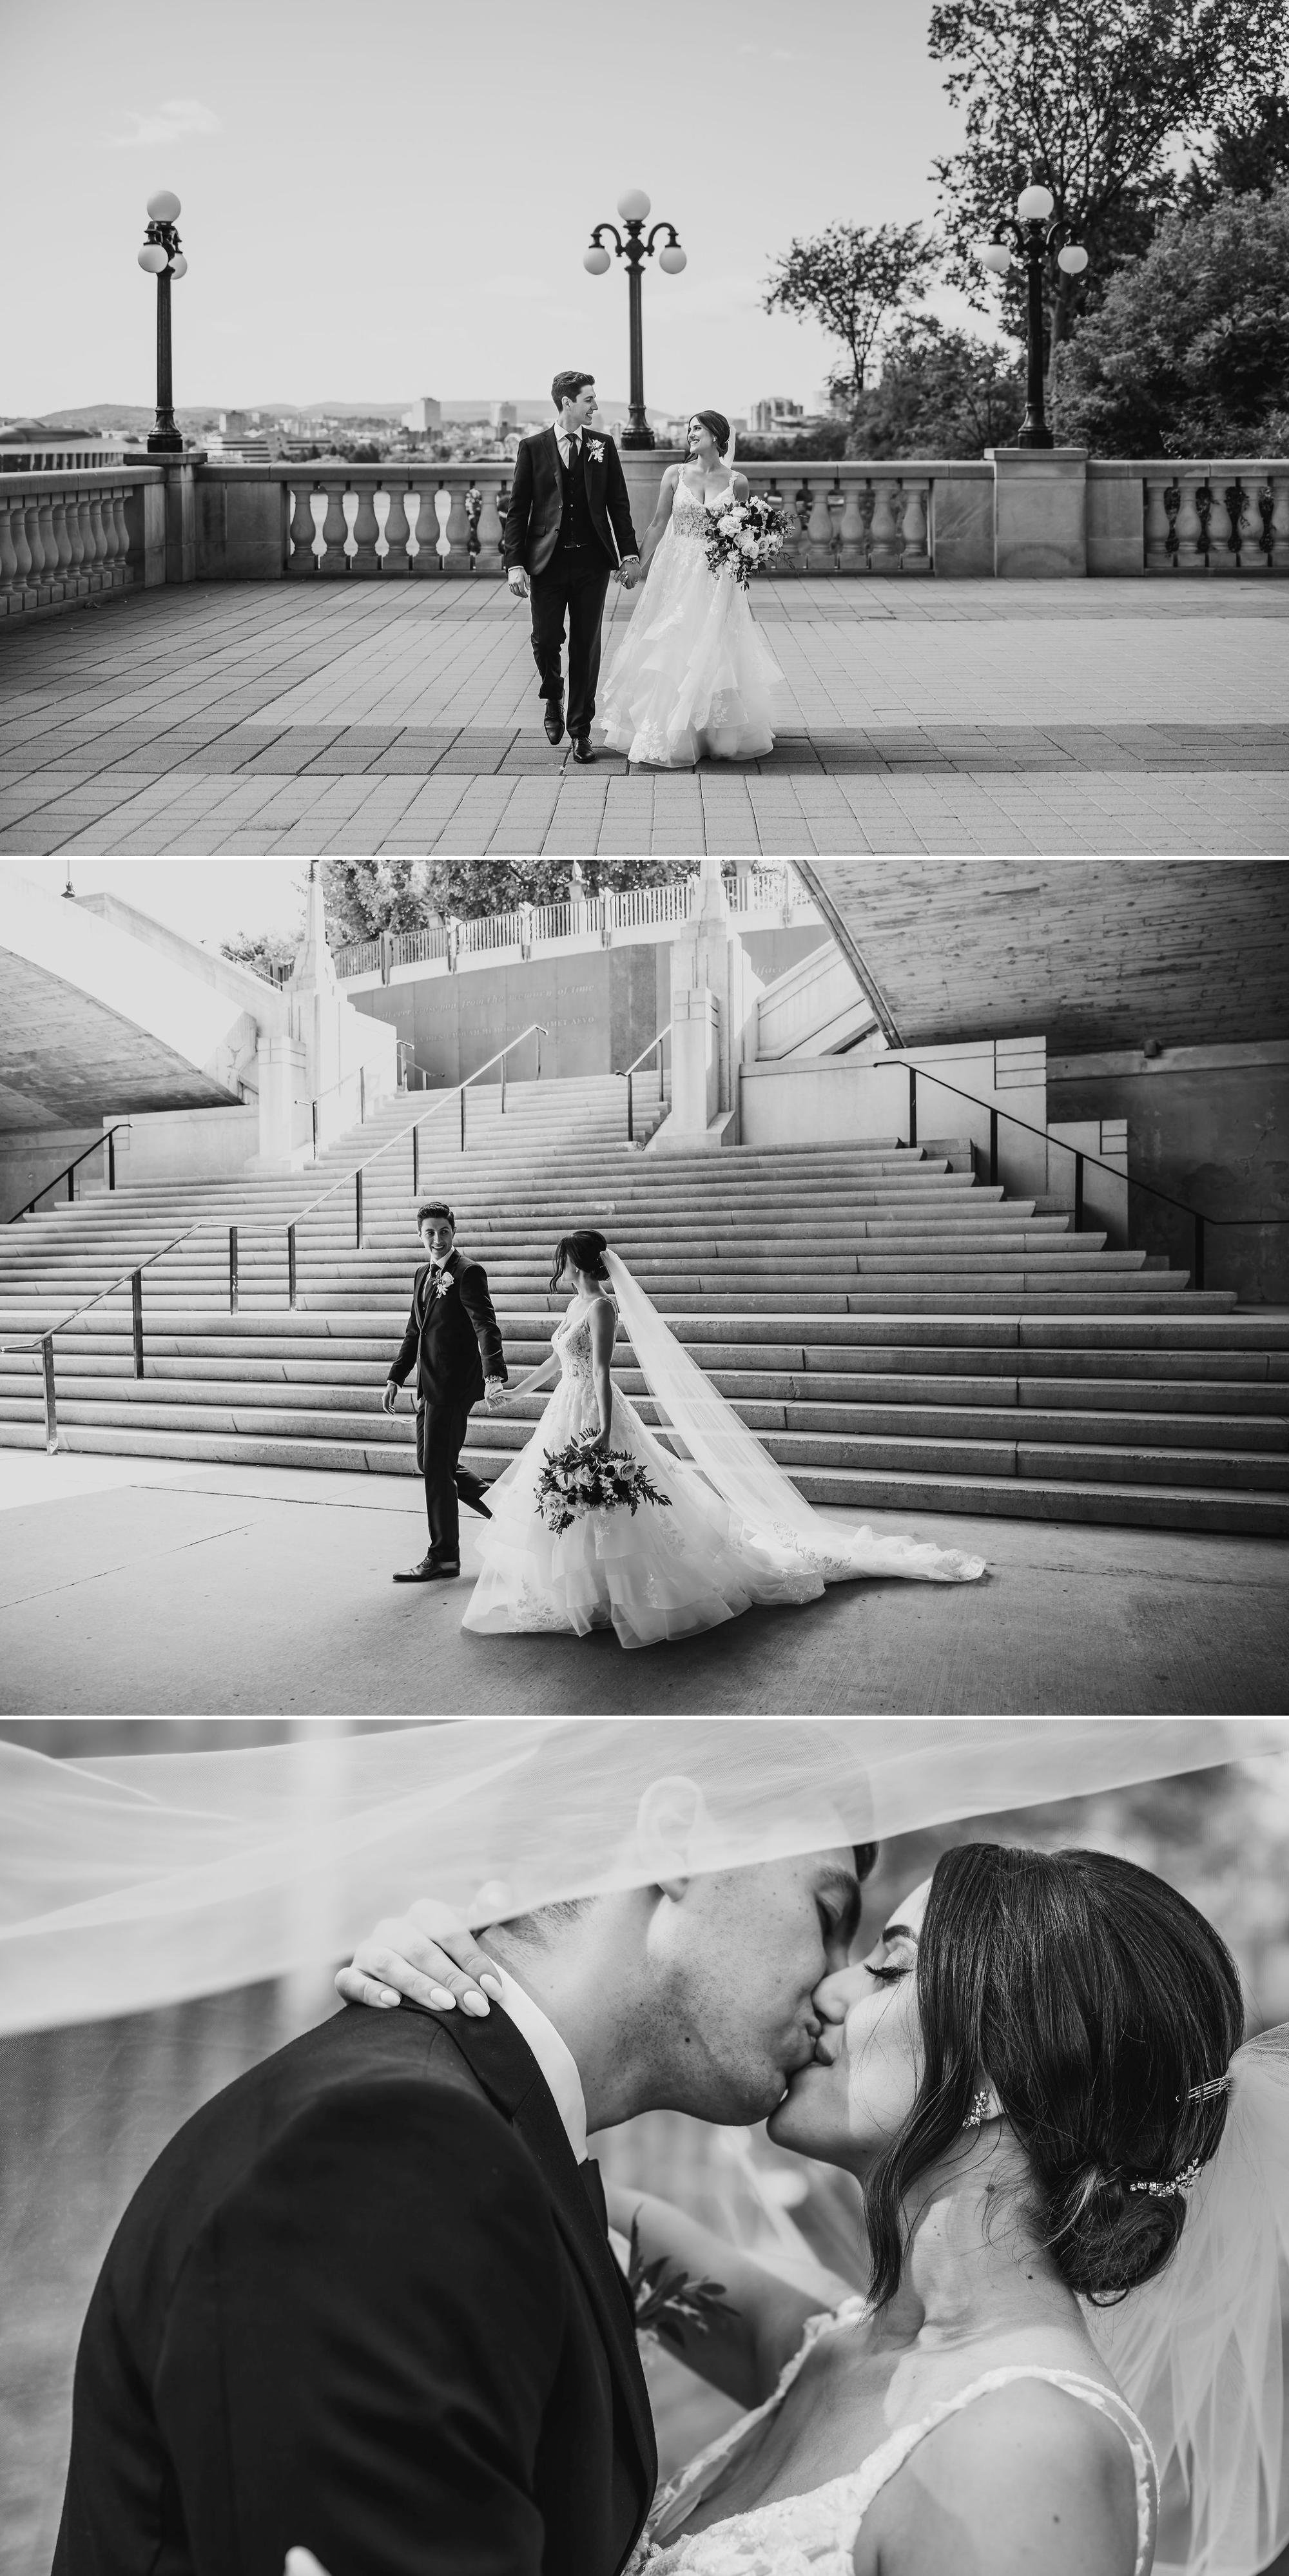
583 1477
743 536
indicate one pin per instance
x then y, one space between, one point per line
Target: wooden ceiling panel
1089 952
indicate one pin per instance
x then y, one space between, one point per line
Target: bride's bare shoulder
740 486
1047 2477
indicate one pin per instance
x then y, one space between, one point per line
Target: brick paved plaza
1107 716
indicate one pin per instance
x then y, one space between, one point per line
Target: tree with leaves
856 280
266 951
1189 353
1088 97
366 896
941 393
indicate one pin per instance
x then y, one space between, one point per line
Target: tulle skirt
692 678
664 1571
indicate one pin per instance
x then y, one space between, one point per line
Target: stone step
83 1396
1043 1496
752 1375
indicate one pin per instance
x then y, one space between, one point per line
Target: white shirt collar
554 2057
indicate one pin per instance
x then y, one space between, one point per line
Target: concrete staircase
899 1335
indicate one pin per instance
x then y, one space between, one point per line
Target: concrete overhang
1086 952
104 1011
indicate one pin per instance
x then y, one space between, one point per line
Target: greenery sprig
668 2302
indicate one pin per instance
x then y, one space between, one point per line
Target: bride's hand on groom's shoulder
301 2562
426 1955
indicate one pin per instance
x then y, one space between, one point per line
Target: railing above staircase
70 1169
654 1048
1198 1218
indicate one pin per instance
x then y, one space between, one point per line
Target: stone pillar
714 994
280 1072
1040 512
314 1001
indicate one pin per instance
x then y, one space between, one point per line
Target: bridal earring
979 2111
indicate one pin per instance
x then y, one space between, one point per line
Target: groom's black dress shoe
583 747
430 1570
554 721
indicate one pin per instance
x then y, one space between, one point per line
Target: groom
453 1341
364 2304
567 528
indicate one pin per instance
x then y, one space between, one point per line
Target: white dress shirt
554 2057
564 441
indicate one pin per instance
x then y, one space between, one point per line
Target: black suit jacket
537 500
362 2303
452 1341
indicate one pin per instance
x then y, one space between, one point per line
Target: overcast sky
394 199
210 899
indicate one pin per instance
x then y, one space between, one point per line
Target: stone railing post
1040 512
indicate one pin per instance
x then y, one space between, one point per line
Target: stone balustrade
1228 516
65 537
756 896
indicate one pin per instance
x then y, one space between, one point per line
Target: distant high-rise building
503 416
773 412
425 415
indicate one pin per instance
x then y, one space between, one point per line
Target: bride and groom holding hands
708 1533
364 2314
691 678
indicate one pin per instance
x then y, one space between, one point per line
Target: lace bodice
690 515
815 2534
571 1342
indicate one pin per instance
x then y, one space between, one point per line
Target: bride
731 1531
1037 2076
692 679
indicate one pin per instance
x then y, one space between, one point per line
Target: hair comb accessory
1208 2092
1177 2184
979 2111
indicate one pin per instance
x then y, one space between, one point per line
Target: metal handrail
44 1342
66 1174
1199 1219
654 1048
459 1089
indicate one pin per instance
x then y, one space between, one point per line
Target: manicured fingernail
491 1986
387 1996
442 2000
476 2004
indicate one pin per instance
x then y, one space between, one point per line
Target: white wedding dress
692 678
815 2534
667 1570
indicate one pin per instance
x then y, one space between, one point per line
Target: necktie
590 2173
573 452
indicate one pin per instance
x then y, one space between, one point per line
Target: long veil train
772 1513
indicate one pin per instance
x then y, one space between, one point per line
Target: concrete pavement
1107 717
132 1588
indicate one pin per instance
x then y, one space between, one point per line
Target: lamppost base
165 442
1034 433
637 438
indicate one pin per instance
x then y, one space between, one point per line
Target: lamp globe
596 259
673 259
1073 259
633 205
164 208
153 258
995 256
1035 204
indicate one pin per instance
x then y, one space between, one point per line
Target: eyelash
886 1976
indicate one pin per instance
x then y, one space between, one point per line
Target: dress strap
890 2456
675 2502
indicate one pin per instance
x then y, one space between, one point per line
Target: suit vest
576 526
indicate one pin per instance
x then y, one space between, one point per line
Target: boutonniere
442 1282
669 2304
595 450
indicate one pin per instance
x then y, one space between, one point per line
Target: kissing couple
691 678
365 2307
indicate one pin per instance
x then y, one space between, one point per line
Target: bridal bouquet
743 536
583 1478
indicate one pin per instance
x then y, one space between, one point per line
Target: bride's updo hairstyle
585 1251
718 425
1095 2000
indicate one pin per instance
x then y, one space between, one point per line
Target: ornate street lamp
1037 239
162 258
633 206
